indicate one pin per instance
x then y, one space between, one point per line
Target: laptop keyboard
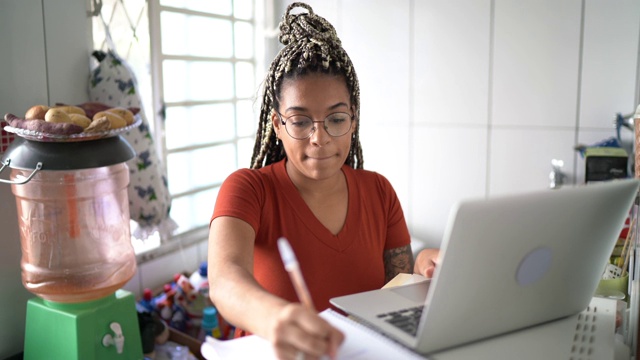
406 320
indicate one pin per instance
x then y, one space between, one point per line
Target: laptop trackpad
414 292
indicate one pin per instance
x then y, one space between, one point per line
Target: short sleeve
397 230
241 196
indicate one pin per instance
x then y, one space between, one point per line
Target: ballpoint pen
293 268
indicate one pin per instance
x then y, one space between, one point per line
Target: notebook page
247 347
361 343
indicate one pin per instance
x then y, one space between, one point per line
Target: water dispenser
73 215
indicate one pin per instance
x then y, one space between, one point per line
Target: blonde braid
311 45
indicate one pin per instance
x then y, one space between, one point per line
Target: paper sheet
405 279
248 347
360 343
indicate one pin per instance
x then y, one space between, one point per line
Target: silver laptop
507 263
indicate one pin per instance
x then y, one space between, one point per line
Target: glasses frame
283 121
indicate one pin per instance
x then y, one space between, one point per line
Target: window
202 77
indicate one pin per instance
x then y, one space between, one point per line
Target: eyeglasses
301 127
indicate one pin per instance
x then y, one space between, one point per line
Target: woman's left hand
426 262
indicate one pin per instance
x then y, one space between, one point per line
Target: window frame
159 106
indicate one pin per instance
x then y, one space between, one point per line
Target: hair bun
306 26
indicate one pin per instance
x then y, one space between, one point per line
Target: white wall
471 98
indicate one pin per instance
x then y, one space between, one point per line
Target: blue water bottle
210 325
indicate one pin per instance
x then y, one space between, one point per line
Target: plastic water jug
73 215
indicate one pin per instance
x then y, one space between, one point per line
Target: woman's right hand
295 331
299 333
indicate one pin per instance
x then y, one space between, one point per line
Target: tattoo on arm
398 260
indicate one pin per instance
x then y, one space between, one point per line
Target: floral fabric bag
113 83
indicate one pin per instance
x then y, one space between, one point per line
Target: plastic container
146 303
616 288
74 230
199 279
210 325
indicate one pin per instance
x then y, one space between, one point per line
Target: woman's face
316 96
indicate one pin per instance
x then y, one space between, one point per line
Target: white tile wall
451 62
383 68
520 158
202 249
328 9
135 284
449 163
495 91
610 61
379 142
155 273
67 75
535 62
382 62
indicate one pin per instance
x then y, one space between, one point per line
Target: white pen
293 268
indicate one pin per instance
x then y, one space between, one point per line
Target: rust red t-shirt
332 265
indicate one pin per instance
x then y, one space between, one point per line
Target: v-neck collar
338 242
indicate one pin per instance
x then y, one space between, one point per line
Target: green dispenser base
83 331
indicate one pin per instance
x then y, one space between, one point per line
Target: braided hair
311 46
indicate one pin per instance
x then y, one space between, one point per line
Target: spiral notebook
361 343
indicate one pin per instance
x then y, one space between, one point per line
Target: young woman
345 224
